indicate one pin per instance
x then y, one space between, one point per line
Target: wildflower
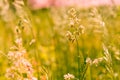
102 23
88 61
77 20
33 78
70 36
71 24
81 29
72 13
20 68
9 73
26 21
97 61
18 41
69 76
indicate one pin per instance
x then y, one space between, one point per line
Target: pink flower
36 4
62 3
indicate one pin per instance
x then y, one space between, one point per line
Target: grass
52 54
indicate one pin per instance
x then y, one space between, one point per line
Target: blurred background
50 52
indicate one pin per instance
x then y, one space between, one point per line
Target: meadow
59 43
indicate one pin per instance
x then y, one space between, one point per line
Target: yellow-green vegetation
59 43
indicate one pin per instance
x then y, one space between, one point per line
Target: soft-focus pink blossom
37 4
65 2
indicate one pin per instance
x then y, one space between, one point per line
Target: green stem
78 55
80 61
